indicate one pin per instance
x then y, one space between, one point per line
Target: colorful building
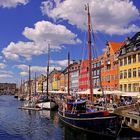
73 76
96 70
62 82
54 78
39 83
129 65
83 75
109 66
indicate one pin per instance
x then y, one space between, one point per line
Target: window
94 72
120 87
121 74
98 82
139 71
123 51
125 87
134 58
121 62
98 64
129 87
125 61
129 59
125 73
135 85
138 57
129 73
134 72
108 78
98 72
108 67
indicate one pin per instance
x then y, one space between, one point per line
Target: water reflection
17 124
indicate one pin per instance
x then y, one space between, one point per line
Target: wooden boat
89 120
47 103
78 115
130 116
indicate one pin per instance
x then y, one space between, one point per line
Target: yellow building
129 65
62 82
39 83
54 80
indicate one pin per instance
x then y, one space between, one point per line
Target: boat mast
68 73
29 83
21 87
35 83
47 88
90 55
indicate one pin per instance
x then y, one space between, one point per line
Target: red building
83 75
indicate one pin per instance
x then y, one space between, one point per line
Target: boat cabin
76 107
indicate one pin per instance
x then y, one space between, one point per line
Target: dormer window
123 51
138 38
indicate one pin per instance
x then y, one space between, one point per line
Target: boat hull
107 125
46 105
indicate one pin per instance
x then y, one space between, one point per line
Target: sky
27 27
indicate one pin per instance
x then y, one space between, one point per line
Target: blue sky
28 26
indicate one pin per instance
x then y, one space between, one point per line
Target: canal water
17 124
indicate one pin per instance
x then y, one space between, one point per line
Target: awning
132 94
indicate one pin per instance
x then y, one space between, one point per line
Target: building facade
109 66
83 75
96 71
129 65
7 88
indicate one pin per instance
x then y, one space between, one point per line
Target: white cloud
61 63
6 74
43 33
21 49
12 3
23 73
2 65
109 16
24 69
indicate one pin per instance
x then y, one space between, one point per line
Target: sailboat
21 96
75 113
29 103
47 103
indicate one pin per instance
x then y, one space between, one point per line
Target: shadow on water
74 134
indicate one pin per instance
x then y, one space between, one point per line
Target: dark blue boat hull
92 122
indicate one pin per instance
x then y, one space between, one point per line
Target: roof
98 58
116 45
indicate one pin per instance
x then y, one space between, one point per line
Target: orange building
109 66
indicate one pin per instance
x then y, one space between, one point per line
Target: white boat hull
46 105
